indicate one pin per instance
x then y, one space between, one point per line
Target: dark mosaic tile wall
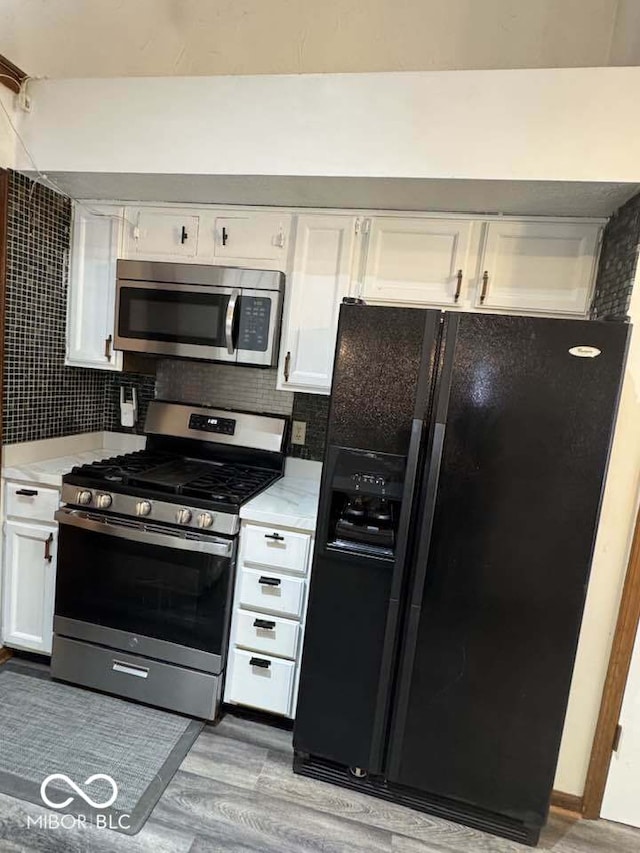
314 409
42 397
618 262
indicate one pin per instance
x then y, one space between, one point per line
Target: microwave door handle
230 320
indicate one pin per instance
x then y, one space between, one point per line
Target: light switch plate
298 432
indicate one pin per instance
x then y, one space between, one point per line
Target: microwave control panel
204 423
253 330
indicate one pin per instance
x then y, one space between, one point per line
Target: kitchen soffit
523 198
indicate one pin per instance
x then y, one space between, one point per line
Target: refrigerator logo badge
585 352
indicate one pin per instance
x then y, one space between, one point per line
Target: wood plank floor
236 792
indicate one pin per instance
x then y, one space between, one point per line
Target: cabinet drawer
260 681
271 547
265 590
31 501
266 633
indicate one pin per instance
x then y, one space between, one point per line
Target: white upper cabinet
158 234
250 235
95 245
538 266
416 261
321 277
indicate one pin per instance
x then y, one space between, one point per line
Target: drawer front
266 633
282 549
31 501
260 681
268 591
142 679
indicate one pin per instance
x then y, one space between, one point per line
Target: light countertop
291 502
48 472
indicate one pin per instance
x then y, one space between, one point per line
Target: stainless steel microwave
198 311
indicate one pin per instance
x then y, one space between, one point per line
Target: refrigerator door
500 577
382 381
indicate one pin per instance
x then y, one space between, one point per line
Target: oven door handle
110 527
230 320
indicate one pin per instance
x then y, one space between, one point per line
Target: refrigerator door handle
383 696
413 621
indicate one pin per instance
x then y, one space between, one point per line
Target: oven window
166 593
174 316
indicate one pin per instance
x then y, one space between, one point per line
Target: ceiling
110 38
524 198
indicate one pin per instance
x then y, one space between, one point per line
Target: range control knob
205 519
143 508
183 516
104 501
84 497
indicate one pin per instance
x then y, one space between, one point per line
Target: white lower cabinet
268 617
29 585
260 681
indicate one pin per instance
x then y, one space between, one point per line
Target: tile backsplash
42 398
225 385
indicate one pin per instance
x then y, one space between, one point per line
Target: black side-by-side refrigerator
459 504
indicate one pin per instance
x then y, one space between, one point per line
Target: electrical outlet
298 432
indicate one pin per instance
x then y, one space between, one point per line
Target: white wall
74 38
7 137
571 124
619 510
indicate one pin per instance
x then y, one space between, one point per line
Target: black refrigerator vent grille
476 818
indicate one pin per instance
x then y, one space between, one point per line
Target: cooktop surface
155 472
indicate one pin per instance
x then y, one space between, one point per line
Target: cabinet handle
276 536
265 624
458 285
287 363
47 548
225 236
261 662
264 581
28 493
485 284
108 346
183 235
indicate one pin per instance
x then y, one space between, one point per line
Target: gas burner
195 477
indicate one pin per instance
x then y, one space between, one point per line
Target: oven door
184 320
155 591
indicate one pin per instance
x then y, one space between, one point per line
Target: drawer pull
27 493
275 536
265 624
130 669
263 581
261 662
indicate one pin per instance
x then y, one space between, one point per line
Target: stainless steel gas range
146 556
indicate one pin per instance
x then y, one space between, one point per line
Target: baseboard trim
566 802
5 654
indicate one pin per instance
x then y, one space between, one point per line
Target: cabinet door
321 277
538 266
254 236
162 234
95 246
416 261
29 585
